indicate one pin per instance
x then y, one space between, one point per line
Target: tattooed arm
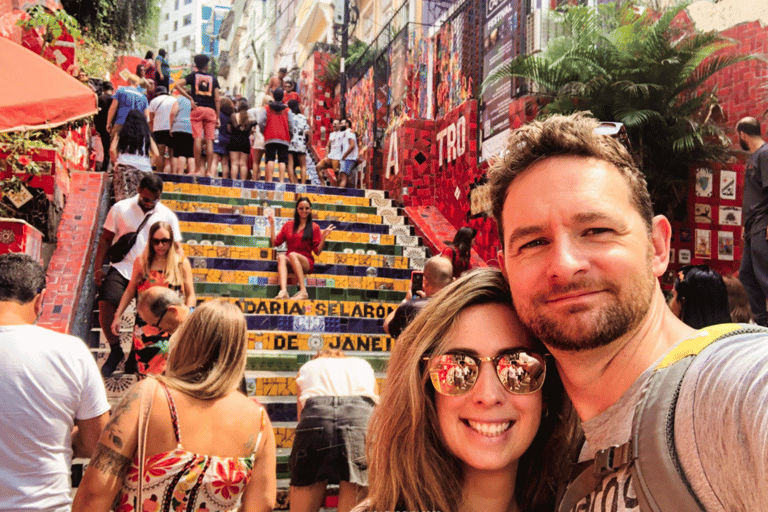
112 458
85 435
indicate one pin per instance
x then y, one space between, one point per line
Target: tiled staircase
361 276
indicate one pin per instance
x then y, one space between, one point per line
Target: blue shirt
182 123
129 98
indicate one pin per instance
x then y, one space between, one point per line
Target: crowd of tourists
194 128
566 363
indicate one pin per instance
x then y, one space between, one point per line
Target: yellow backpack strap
698 342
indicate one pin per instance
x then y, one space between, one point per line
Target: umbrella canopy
38 94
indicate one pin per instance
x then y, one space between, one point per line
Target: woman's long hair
241 115
462 242
172 270
426 475
207 354
296 220
703 296
134 137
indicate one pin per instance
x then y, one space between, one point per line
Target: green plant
358 56
52 24
647 70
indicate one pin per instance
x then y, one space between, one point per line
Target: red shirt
296 242
293 95
459 265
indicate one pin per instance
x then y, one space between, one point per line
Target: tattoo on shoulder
113 431
111 462
251 444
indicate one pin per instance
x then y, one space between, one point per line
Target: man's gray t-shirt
756 193
721 431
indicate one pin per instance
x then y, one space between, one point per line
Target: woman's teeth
489 429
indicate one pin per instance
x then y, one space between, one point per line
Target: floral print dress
150 344
182 481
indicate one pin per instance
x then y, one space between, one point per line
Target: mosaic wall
318 99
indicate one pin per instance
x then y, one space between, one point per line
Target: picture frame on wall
728 185
671 256
729 216
725 245
703 213
703 182
703 244
684 256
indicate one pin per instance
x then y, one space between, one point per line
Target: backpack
656 473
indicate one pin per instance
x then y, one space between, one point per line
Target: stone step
316 291
329 281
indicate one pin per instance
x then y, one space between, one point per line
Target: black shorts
183 144
163 137
329 443
275 149
113 286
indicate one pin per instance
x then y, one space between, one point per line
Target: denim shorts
329 445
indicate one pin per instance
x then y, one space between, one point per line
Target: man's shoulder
52 340
125 205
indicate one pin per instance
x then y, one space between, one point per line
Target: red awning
37 93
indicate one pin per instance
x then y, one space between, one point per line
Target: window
165 37
175 26
187 19
186 42
187 2
167 16
177 5
174 46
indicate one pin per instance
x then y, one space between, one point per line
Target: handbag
125 243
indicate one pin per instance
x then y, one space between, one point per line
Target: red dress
296 242
460 265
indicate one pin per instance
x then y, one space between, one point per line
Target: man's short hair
559 135
749 126
21 278
161 52
439 272
107 86
282 70
278 94
201 61
159 301
152 182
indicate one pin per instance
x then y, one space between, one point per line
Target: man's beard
602 326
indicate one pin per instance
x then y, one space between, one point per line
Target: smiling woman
486 425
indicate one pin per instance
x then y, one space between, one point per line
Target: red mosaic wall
408 154
317 99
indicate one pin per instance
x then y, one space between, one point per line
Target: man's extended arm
86 433
105 242
111 114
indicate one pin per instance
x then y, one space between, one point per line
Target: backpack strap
658 478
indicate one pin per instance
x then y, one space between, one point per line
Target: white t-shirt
125 216
162 106
347 137
47 381
336 376
336 142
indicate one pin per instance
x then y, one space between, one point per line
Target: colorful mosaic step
341 246
270 265
315 292
267 360
318 208
328 258
358 344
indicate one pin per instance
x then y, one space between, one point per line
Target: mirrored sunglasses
520 371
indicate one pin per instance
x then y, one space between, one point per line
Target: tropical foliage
646 70
359 56
120 23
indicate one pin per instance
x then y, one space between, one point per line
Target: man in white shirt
125 217
349 152
327 167
54 402
160 120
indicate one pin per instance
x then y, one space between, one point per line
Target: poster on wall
728 185
730 216
684 256
725 245
703 182
703 244
703 213
500 26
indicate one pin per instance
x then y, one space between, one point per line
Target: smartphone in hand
417 281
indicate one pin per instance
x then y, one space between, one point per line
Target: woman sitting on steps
304 238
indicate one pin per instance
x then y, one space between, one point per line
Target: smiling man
582 252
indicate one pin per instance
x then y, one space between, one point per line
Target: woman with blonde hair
161 264
203 445
471 417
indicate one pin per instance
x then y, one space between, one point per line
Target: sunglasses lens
522 372
453 374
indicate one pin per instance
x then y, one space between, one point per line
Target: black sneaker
115 356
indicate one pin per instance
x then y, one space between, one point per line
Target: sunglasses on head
158 241
520 371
